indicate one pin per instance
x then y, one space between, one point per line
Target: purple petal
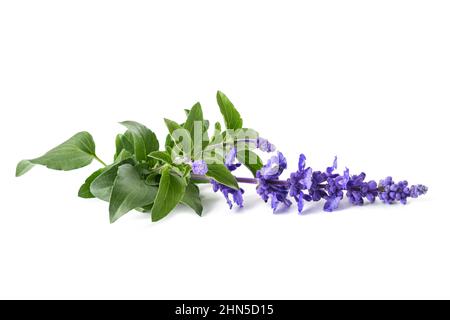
231 156
331 204
334 167
301 162
300 203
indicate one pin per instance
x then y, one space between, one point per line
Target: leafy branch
142 177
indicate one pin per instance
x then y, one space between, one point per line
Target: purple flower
325 185
336 184
320 185
274 167
299 181
199 167
332 204
317 190
230 159
264 145
269 186
236 195
333 167
308 185
357 189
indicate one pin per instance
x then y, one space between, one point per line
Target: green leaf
124 146
243 133
77 152
251 160
169 143
195 115
85 189
205 125
144 140
230 115
129 192
146 209
153 178
221 174
123 155
119 145
128 141
181 138
217 135
192 199
23 167
102 185
172 125
198 129
171 191
161 156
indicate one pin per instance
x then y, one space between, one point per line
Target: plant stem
224 143
100 160
247 180
201 178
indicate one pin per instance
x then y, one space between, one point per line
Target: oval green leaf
144 140
101 187
85 189
192 199
230 115
171 190
75 153
221 174
129 192
161 156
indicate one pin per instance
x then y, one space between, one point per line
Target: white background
365 80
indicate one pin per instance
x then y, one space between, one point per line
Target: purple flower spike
199 167
308 185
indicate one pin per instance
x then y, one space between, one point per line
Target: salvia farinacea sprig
149 178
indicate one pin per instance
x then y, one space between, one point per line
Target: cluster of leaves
148 179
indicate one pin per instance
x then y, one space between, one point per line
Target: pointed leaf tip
231 116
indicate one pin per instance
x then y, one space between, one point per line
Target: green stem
225 143
100 160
